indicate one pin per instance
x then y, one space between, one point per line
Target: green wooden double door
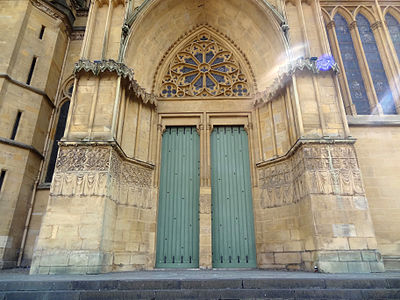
233 243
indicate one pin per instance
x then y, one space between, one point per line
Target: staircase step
201 285
205 294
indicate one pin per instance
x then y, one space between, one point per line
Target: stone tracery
204 68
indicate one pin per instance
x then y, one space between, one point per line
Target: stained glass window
62 120
204 68
394 29
352 69
375 65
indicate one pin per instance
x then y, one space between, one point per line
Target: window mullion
362 61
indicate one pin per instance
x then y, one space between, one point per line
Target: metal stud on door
233 242
178 208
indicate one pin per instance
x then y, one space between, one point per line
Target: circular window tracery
204 68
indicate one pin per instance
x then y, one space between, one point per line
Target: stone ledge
70 262
28 87
363 261
21 145
392 263
374 120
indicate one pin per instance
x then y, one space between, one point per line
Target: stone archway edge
131 19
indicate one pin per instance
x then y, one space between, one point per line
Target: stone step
257 288
205 294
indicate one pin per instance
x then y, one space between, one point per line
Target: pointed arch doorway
200 80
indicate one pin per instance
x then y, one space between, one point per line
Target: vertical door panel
233 242
178 209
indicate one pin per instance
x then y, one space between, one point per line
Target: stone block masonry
110 209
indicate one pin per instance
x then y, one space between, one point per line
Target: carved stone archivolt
312 169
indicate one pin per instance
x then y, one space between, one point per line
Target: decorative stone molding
331 24
51 11
72 159
376 25
96 170
101 66
129 173
285 74
353 25
313 170
77 35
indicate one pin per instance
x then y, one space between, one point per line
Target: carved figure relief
313 169
99 171
204 68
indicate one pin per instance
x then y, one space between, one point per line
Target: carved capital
376 25
331 25
353 25
161 128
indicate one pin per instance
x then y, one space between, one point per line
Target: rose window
204 68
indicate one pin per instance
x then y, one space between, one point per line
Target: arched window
375 65
352 69
394 29
62 120
204 67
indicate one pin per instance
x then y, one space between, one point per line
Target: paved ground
22 274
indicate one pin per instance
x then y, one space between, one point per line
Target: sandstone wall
21 23
379 155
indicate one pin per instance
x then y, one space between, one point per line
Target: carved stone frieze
79 184
100 170
130 173
102 66
72 159
313 169
286 73
77 35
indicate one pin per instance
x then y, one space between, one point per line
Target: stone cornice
112 144
98 67
21 145
53 12
286 73
28 87
303 141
